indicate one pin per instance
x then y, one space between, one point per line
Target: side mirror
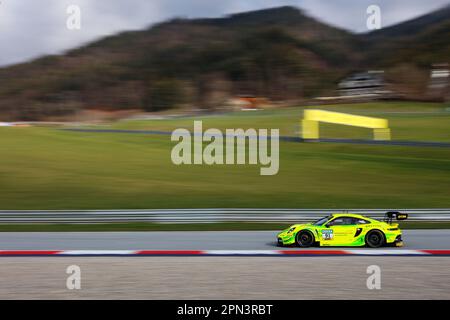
327 225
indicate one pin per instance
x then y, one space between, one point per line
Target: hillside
408 50
278 53
412 27
420 41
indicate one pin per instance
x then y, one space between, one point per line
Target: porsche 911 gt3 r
345 229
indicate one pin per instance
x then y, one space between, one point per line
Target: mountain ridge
279 53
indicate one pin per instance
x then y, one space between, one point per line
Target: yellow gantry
312 117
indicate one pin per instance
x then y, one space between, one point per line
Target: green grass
45 168
407 120
232 226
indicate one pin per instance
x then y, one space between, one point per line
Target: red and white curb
291 253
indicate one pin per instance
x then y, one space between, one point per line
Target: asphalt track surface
288 138
225 278
185 240
175 277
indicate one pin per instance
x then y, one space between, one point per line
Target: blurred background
157 67
90 92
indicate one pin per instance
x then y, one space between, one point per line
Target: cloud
30 28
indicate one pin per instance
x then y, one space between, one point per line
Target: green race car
345 229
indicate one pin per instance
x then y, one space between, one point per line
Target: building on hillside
439 80
362 84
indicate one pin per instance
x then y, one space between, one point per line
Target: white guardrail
205 215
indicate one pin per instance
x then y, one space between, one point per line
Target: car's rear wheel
304 239
375 239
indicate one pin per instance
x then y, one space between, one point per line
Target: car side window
336 222
360 221
342 221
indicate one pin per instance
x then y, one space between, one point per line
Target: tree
163 94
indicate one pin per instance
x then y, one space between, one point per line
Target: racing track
286 138
215 277
186 240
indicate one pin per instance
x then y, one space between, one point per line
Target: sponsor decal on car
327 234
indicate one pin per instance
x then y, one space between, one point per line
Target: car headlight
291 229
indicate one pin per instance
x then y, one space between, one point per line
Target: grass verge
232 226
45 168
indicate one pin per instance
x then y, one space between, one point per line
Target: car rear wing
390 215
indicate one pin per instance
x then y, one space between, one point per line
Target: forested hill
279 53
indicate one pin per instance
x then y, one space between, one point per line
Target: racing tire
304 239
375 239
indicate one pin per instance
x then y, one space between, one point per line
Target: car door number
327 234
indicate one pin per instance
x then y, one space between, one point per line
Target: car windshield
321 221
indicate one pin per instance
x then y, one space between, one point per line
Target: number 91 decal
327 234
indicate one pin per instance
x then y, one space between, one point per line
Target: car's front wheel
375 239
304 239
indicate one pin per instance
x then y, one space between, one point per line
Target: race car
345 229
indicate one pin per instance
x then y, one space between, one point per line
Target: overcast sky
30 28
